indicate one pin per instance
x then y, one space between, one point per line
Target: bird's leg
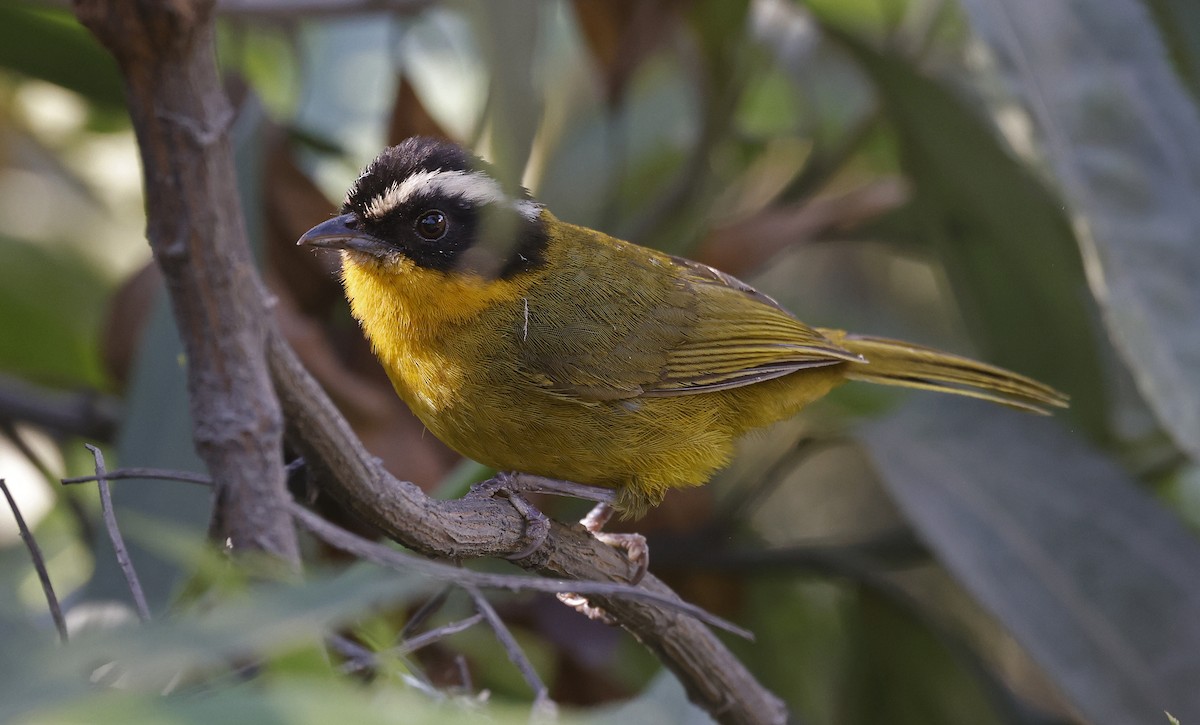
635 548
513 484
634 545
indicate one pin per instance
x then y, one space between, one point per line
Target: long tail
893 362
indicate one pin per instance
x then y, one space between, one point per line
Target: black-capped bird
563 352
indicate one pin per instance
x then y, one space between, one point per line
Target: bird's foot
586 608
634 545
635 549
507 485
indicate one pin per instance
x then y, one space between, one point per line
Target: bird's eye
431 225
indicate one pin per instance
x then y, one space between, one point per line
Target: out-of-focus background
1010 179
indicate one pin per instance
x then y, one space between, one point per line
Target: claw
584 607
635 549
634 545
537 526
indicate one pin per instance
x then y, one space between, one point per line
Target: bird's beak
343 232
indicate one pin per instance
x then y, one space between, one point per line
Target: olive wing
665 326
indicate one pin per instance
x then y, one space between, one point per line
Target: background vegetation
1012 179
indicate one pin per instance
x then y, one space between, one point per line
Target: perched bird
534 345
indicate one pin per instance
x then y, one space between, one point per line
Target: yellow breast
416 320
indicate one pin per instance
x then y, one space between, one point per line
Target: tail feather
893 362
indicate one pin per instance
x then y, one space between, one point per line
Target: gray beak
343 232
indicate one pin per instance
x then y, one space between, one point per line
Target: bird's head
428 203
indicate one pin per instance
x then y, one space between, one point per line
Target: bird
531 344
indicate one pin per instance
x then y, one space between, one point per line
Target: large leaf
1092 576
1123 138
50 304
51 45
508 32
296 701
267 620
1179 22
1007 247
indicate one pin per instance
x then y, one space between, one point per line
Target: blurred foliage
1014 180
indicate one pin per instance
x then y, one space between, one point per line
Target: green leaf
50 45
50 306
905 675
508 32
1179 23
1093 577
298 701
1007 247
1121 136
268 619
663 701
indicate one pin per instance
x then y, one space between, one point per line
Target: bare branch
412 644
162 474
39 563
339 538
114 535
358 658
294 9
464 673
543 706
86 414
346 541
165 52
425 611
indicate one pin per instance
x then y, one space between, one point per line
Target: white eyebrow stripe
473 186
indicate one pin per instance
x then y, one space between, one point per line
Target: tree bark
195 227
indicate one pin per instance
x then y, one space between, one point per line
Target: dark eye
431 225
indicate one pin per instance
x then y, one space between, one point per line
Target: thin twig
310 8
424 612
39 564
339 538
114 535
464 674
412 644
346 541
162 474
542 704
358 658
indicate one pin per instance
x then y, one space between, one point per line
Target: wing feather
667 327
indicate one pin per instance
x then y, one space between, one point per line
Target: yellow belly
644 447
